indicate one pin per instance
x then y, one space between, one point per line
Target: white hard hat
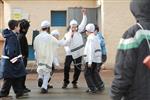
55 32
90 27
45 24
73 22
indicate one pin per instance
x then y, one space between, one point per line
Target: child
44 55
24 26
102 44
74 46
55 63
56 34
93 54
12 61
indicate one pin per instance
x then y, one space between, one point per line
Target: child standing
24 26
93 58
12 61
74 46
56 34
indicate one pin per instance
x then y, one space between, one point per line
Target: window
58 18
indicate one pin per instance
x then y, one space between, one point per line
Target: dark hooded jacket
24 26
131 76
24 44
12 49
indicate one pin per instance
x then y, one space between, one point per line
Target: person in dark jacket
24 26
12 61
132 77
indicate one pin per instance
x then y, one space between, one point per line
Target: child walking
93 58
12 62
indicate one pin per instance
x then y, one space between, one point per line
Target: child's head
73 25
45 26
55 33
90 28
24 26
14 25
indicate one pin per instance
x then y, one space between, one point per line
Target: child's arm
83 22
66 40
90 53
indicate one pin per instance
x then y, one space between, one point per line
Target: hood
140 9
7 33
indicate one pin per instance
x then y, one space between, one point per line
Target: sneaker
87 90
21 95
40 82
44 90
26 90
75 86
65 85
49 86
91 91
101 88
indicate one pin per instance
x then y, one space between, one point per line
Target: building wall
39 10
117 19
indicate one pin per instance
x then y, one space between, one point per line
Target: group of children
93 52
45 46
14 59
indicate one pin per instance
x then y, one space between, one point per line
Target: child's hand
84 11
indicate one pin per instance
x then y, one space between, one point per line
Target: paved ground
57 93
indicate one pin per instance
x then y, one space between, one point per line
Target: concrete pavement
57 93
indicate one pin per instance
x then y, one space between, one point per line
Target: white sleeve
82 24
55 41
65 41
90 52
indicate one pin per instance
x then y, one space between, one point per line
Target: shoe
44 90
101 88
87 90
91 91
40 82
3 95
49 86
75 86
21 95
65 85
26 90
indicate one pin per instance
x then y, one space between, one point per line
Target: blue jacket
12 49
102 43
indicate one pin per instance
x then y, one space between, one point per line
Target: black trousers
15 83
24 77
92 76
77 69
